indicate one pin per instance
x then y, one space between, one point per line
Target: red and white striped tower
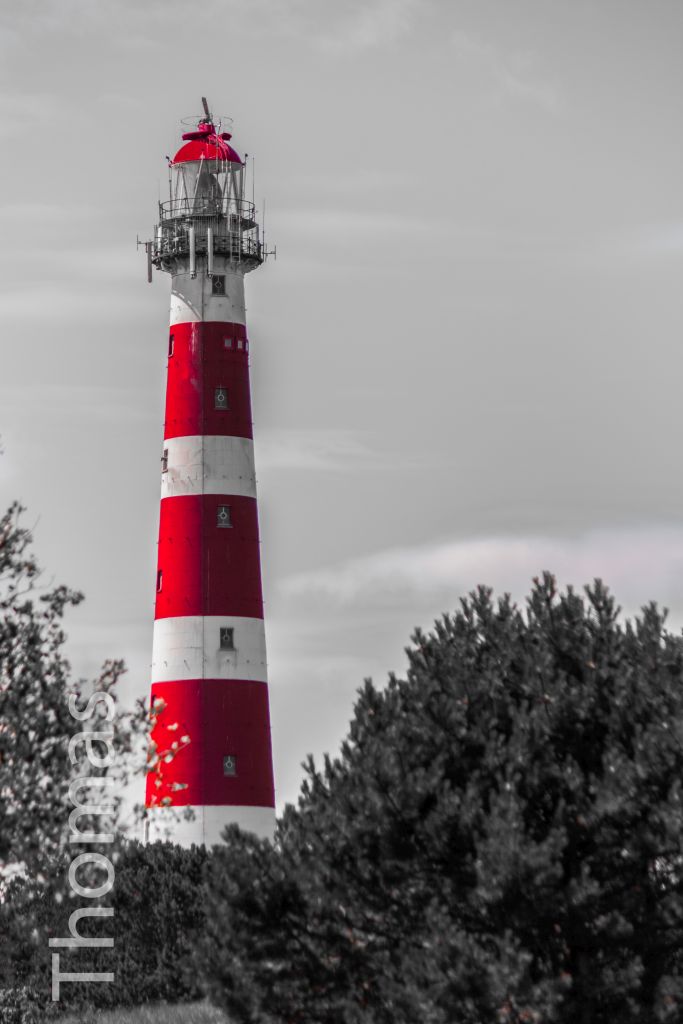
209 653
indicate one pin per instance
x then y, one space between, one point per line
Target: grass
187 1013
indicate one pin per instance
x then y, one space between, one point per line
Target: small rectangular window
227 638
230 765
240 343
220 398
227 342
246 345
164 461
160 580
223 516
218 284
170 344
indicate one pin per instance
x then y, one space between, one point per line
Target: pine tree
500 839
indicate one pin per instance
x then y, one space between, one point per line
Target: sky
466 358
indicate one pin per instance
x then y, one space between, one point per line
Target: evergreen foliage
158 914
500 839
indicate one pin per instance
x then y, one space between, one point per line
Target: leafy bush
20 1006
158 904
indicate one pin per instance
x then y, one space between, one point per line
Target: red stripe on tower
208 381
203 569
211 747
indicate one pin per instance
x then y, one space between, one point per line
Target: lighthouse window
170 345
239 343
220 398
160 580
227 638
223 516
164 461
230 765
218 284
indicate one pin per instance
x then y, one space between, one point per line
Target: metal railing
208 206
173 240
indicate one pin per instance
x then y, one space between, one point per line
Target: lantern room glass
207 187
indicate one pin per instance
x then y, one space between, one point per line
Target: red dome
216 149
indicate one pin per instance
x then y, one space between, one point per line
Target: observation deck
209 226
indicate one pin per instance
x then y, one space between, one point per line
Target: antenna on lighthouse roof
206 108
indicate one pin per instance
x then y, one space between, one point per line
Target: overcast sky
466 360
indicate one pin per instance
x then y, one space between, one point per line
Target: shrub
158 904
20 1006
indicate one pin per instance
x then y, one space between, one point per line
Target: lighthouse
211 745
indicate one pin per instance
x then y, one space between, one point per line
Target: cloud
94 403
370 26
630 247
331 28
332 450
70 299
347 225
42 214
655 240
24 113
638 564
337 451
513 74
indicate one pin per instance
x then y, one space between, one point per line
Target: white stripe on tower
192 302
187 647
208 465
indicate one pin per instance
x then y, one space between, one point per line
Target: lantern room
207 175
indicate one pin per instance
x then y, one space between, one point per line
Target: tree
36 723
499 840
